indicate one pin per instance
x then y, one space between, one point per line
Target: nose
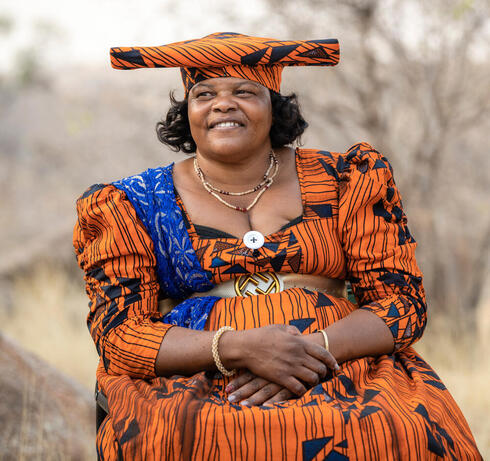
224 103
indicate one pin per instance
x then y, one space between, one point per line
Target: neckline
300 175
214 233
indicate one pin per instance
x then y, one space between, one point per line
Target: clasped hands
279 363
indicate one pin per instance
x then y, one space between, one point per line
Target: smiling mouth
226 125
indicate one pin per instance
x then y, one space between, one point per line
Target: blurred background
413 81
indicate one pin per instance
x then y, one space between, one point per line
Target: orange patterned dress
353 227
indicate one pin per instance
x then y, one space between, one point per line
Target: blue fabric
191 313
179 272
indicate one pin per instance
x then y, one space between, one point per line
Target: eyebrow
198 84
244 82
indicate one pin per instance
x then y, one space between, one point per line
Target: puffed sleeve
378 246
116 253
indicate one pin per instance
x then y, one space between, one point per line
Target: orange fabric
388 407
117 256
228 54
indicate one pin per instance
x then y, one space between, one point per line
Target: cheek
195 119
270 119
267 119
191 116
268 110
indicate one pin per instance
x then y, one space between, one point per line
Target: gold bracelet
325 337
214 350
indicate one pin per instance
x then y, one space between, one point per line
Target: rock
44 414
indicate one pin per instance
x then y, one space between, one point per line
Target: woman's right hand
279 354
250 390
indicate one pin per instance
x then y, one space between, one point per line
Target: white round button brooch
253 240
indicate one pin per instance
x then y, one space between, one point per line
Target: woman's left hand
250 390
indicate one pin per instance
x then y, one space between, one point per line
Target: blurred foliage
28 66
6 24
463 7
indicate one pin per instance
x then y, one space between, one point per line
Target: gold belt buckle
263 283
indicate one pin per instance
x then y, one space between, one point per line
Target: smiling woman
218 284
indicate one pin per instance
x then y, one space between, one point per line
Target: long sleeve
116 253
379 249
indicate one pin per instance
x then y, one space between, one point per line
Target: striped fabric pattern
228 54
353 226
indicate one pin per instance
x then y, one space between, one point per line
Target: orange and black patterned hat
228 54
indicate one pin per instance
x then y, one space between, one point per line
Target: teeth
226 124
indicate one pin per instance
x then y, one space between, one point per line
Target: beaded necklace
266 182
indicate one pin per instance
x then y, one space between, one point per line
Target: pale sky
88 28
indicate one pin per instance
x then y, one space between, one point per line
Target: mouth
225 125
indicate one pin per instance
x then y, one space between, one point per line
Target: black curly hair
288 123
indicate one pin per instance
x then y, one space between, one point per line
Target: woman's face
230 116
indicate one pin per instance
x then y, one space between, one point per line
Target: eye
203 94
244 91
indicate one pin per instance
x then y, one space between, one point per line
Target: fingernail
232 398
229 388
337 368
245 403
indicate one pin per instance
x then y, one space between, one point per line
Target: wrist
316 338
230 349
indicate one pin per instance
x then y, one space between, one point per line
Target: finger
281 396
239 381
307 376
294 385
262 395
322 354
247 389
316 366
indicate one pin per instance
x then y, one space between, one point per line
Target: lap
390 407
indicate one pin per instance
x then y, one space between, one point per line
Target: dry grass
461 358
47 316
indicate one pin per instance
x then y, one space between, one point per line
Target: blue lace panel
179 272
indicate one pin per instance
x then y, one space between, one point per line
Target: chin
229 146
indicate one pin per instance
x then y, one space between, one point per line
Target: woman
255 352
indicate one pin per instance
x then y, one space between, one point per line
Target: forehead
226 82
